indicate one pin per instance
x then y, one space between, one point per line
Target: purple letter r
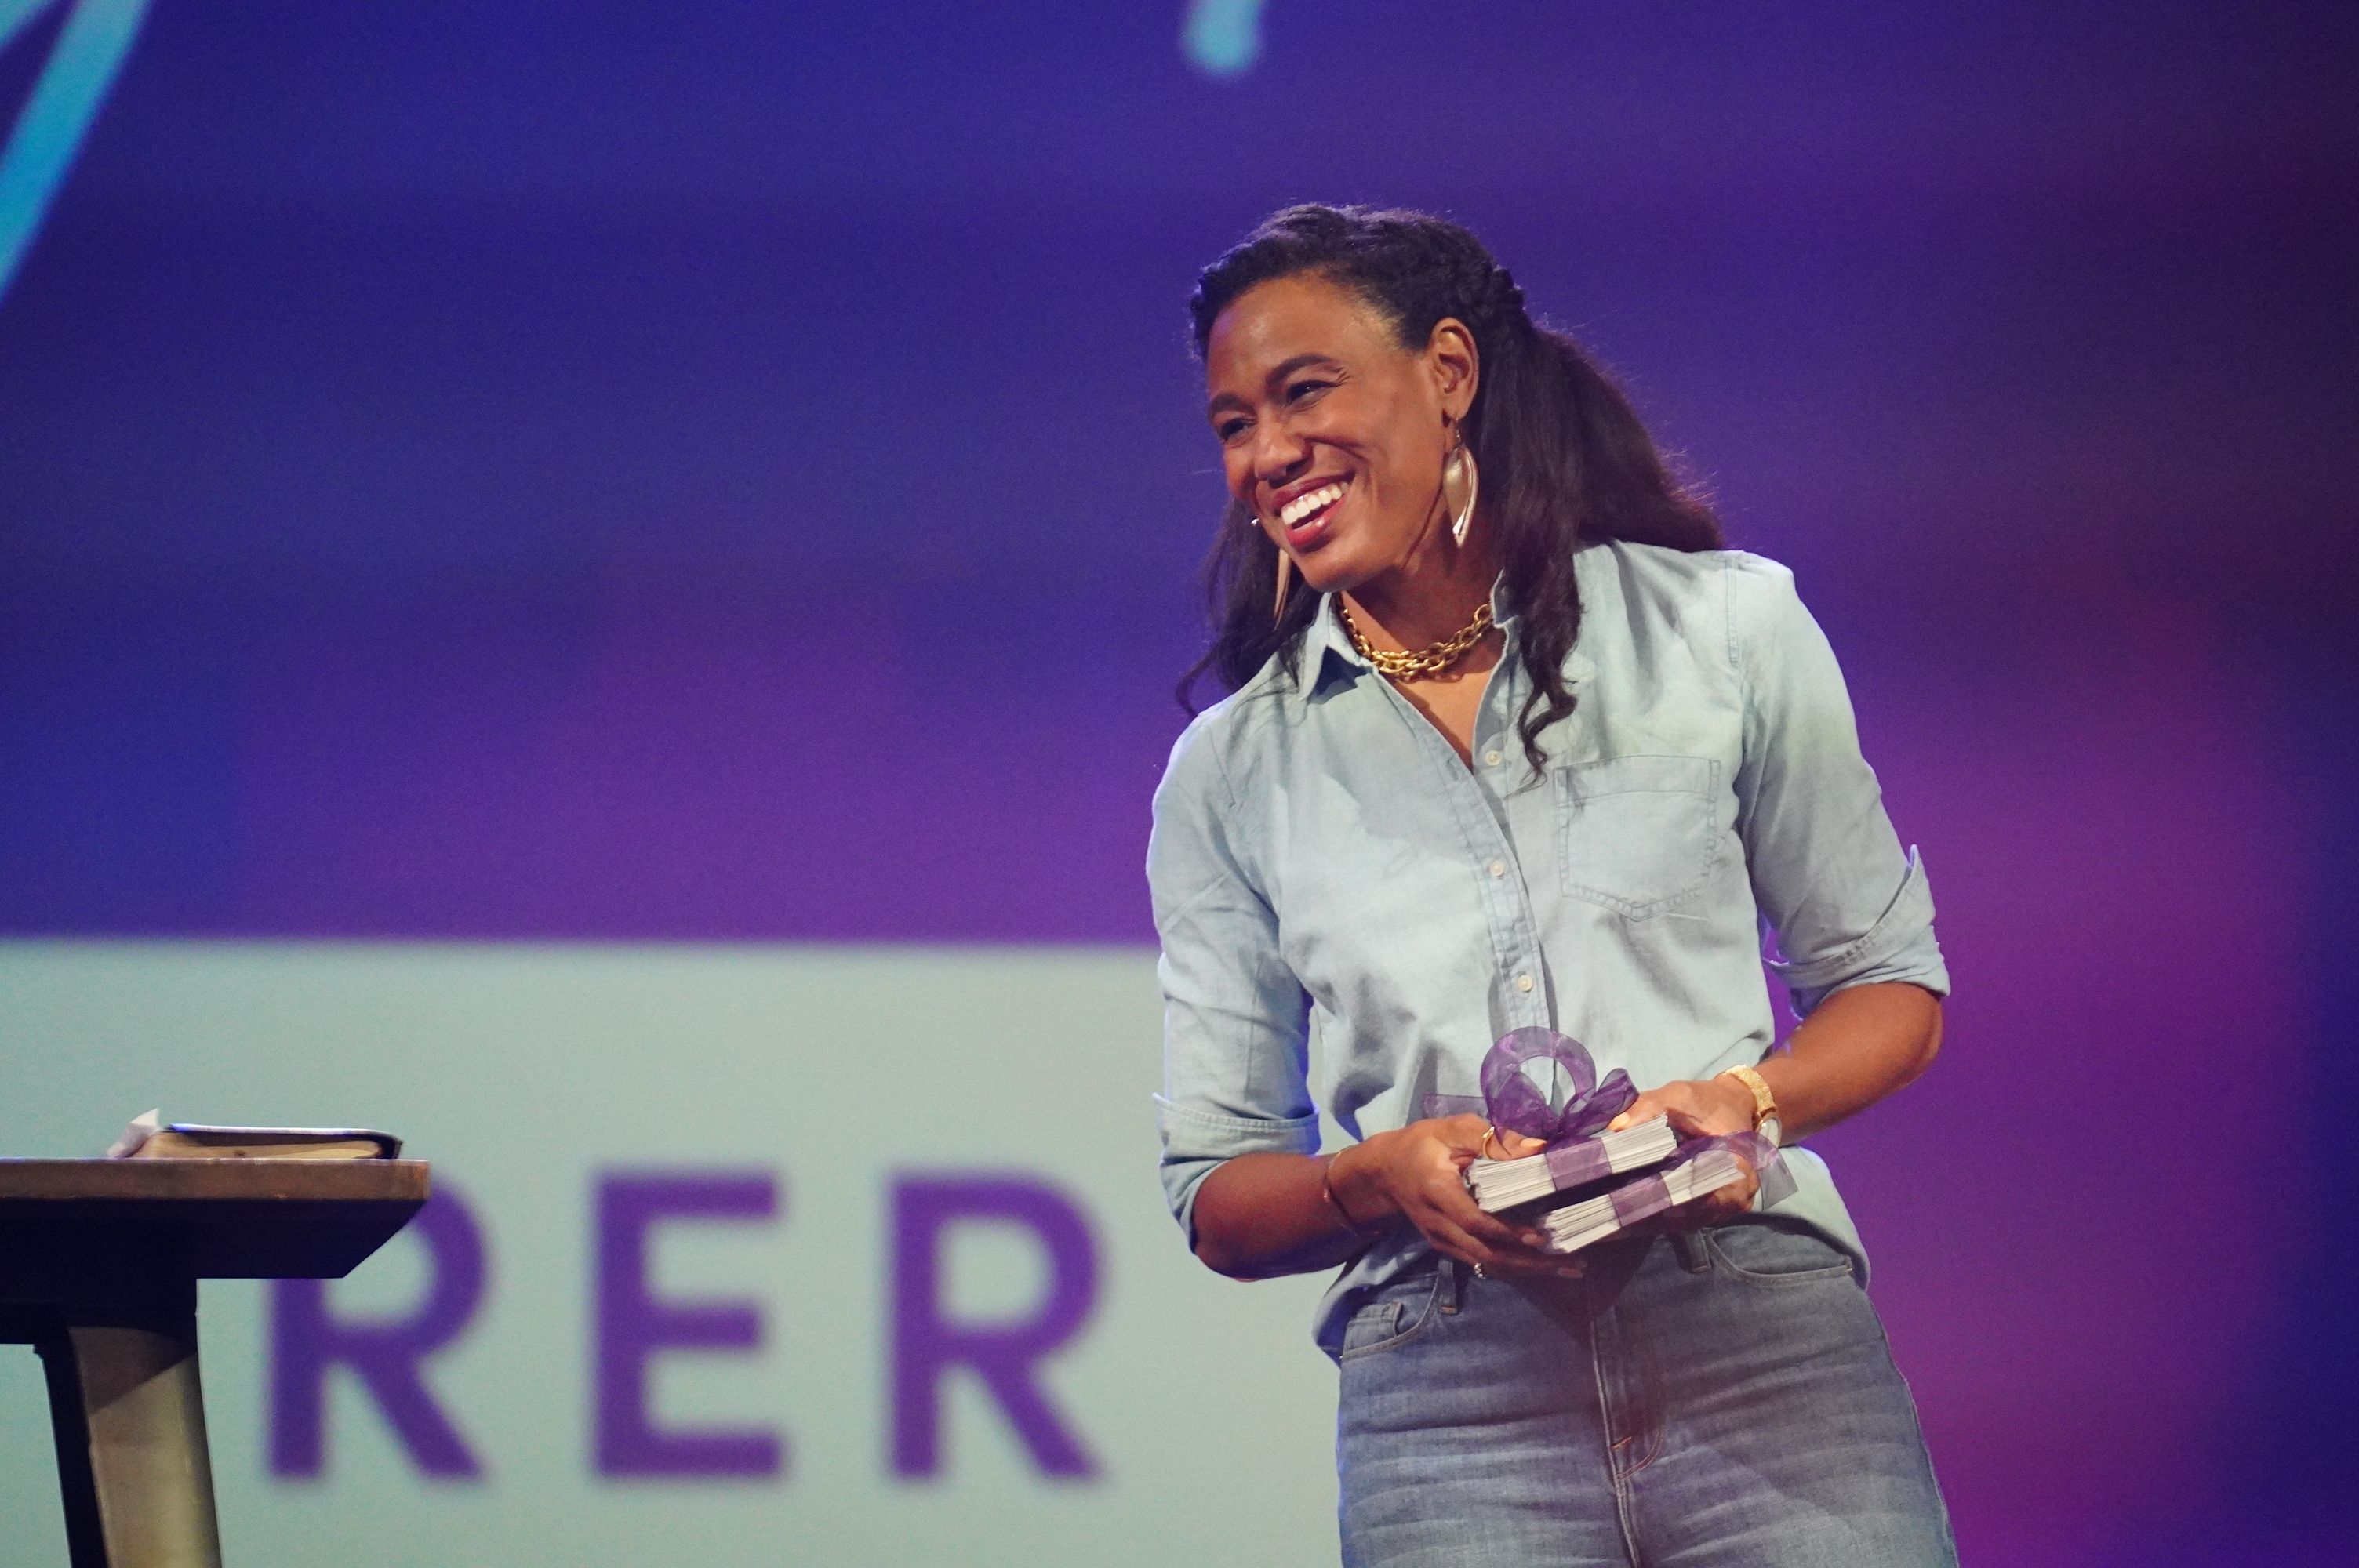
926 1344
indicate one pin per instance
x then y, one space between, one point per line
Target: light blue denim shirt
1321 857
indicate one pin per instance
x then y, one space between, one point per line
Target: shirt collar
1325 638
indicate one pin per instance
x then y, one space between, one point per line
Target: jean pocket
1761 1254
1638 834
1399 1313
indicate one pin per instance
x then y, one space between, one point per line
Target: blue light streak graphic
1223 37
41 147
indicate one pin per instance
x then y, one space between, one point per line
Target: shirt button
1523 982
1498 867
1491 758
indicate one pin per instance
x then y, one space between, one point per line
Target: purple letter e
634 1326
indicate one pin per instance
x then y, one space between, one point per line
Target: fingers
1440 1206
1499 1236
1673 1100
1686 1123
1697 1107
1646 1108
1519 1261
1450 1204
1462 1136
1477 1240
1737 1197
1505 1247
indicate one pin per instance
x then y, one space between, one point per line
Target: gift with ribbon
1580 1151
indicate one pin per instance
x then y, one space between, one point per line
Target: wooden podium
99 1265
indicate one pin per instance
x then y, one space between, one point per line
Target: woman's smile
1308 515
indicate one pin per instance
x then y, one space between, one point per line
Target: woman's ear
1456 365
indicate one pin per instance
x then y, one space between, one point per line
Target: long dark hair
1562 456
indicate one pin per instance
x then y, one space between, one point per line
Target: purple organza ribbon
1515 1103
1648 1195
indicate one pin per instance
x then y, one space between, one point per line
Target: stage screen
600 586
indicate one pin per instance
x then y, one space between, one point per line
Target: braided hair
1561 453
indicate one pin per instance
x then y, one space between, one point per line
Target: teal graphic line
65 98
1223 37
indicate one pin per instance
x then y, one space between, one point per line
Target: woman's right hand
1419 1173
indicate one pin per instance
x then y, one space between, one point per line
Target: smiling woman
1511 743
1395 343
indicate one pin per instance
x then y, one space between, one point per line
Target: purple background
716 472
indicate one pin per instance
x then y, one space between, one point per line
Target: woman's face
1332 432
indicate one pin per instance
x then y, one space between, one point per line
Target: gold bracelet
1327 1191
1764 1104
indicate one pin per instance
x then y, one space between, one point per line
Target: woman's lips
1305 526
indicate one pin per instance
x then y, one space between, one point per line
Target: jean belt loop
1689 1244
1453 1285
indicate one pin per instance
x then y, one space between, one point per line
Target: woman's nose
1277 455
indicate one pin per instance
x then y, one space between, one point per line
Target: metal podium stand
99 1265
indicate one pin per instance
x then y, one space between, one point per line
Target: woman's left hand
1700 1107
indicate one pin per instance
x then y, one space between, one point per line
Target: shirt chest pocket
1638 834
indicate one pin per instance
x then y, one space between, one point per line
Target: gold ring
1490 1133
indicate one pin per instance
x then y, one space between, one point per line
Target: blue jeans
1716 1399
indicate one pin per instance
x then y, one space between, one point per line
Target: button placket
1506 901
1517 939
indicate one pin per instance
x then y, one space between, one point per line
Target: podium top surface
64 1220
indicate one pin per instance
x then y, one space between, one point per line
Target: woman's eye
1302 389
1229 430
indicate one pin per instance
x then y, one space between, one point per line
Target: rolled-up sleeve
1235 1029
1847 905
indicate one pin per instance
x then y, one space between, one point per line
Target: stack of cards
1504 1184
1592 1219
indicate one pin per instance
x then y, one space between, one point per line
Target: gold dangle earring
1285 569
1460 483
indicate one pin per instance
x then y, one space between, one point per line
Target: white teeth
1302 506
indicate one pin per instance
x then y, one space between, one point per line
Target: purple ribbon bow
1515 1103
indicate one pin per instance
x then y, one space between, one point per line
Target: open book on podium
149 1136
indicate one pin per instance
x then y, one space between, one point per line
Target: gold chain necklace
1416 665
